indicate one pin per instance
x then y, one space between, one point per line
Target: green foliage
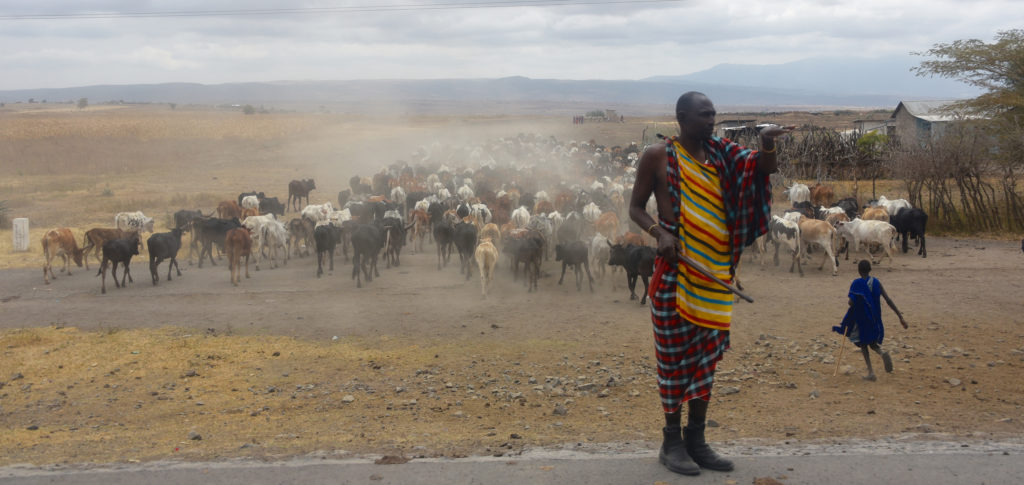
595 114
172 105
872 144
83 102
3 212
107 192
996 68
248 109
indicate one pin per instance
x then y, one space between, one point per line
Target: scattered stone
953 381
17 375
348 399
712 423
391 460
376 477
766 481
586 387
32 427
191 373
727 390
276 354
634 393
604 393
515 436
560 410
195 436
459 414
815 394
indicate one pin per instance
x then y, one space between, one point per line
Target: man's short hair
685 103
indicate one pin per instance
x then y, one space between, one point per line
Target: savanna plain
416 363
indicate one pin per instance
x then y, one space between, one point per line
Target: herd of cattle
570 202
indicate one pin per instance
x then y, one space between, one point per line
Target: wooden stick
841 346
707 273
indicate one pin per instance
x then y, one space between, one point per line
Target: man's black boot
702 454
673 453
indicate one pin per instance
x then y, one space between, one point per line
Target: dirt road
423 366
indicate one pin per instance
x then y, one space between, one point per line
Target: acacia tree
998 69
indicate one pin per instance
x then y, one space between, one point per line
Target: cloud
621 41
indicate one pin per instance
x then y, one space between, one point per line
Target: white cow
520 217
591 212
822 234
275 236
892 206
133 221
318 212
786 232
255 224
250 202
859 231
798 193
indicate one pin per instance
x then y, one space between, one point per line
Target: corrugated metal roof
928 110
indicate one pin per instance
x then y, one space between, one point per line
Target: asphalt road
924 463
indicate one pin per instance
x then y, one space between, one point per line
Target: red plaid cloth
687 354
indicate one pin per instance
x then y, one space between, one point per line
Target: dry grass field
195 369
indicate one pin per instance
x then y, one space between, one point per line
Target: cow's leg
590 278
103 284
643 299
631 282
153 273
330 254
563 273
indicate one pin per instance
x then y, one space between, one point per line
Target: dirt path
423 366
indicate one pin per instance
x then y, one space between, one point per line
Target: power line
329 10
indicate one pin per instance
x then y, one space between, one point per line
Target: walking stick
841 346
707 273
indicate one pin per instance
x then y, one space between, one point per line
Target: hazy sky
374 39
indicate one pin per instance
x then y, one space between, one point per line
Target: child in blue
863 321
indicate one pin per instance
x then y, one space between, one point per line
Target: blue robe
863 321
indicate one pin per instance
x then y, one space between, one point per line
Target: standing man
714 199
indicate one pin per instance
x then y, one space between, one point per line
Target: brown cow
297 189
875 214
229 209
633 238
95 237
608 225
238 244
822 195
543 207
60 242
420 229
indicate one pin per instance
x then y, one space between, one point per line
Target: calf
95 237
318 212
420 228
786 232
822 194
608 225
185 220
599 252
164 245
850 206
366 243
638 261
300 232
464 238
299 189
274 237
213 231
875 214
256 224
60 242
133 221
393 232
820 233
575 254
911 222
326 237
798 193
486 256
243 195
118 251
238 245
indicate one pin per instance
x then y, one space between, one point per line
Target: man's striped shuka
717 206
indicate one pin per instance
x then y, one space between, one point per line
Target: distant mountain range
819 83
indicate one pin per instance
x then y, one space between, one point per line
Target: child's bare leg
867 360
886 360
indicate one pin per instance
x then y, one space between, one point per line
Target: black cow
444 236
326 237
118 251
575 254
297 189
184 220
911 222
465 243
638 261
849 205
213 231
271 205
164 245
343 198
366 243
529 251
393 231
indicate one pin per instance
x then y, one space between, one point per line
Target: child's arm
891 304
